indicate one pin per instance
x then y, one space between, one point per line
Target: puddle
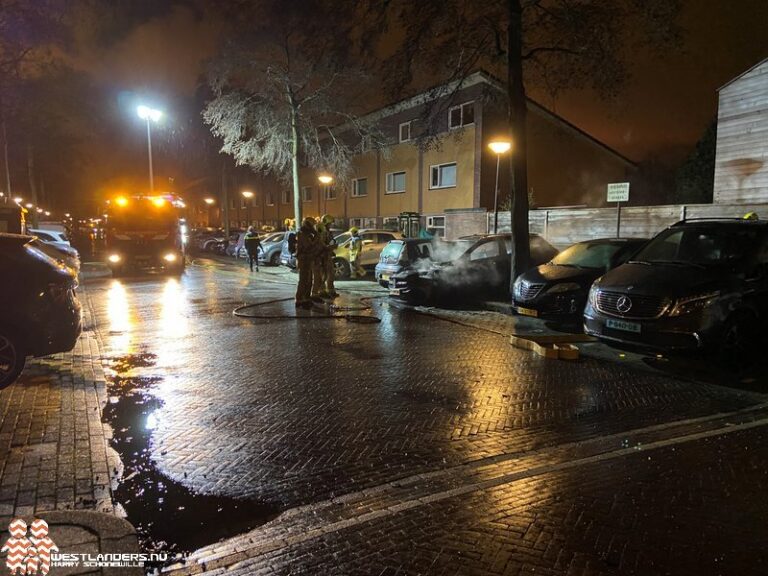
168 516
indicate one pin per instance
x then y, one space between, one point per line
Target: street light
499 147
146 113
209 201
325 180
247 194
18 199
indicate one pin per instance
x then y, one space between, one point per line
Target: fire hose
332 312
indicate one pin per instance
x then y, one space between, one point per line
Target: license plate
385 277
527 311
623 325
394 291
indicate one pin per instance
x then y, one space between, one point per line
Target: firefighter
751 216
252 247
323 281
355 248
307 252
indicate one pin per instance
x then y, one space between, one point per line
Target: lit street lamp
209 201
18 199
325 180
499 147
247 194
146 113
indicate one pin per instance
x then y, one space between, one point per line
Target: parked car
481 268
271 245
401 254
374 242
39 309
559 288
697 284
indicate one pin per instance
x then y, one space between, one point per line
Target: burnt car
401 254
698 284
39 309
559 288
479 267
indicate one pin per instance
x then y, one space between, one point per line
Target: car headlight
694 303
563 287
516 285
114 258
593 294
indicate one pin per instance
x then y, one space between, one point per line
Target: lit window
395 182
405 132
461 115
443 176
359 187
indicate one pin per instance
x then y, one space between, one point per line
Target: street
412 445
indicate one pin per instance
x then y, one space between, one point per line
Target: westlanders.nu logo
33 552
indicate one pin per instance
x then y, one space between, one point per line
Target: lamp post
209 202
146 113
499 147
247 194
325 180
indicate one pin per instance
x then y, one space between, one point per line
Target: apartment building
437 162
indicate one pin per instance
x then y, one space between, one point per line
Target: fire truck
145 233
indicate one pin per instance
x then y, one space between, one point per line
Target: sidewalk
55 456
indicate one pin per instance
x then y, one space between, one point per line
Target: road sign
618 192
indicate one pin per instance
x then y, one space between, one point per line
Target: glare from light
247 194
170 257
325 179
159 202
47 213
119 316
500 146
29 204
121 201
147 113
114 258
209 201
67 215
39 210
18 199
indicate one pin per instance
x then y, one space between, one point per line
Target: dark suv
698 283
39 310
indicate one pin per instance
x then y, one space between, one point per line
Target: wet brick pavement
54 452
294 413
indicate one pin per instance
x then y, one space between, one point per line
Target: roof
483 77
740 76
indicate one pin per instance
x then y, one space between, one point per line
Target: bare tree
285 96
555 44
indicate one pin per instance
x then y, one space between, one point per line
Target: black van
697 284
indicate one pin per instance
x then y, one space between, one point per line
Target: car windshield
274 237
392 251
700 246
588 255
342 238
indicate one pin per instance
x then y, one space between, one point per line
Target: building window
391 223
461 115
232 204
359 187
270 198
405 132
395 182
306 193
243 202
436 225
443 176
286 196
330 192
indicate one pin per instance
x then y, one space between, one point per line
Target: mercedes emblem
623 304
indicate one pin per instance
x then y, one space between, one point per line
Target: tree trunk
517 114
295 164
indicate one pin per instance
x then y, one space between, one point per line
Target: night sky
157 50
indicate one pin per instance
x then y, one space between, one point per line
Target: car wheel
12 358
738 343
275 259
341 268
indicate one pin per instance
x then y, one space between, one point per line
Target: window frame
355 192
392 174
461 108
304 196
286 197
400 127
330 192
270 199
438 167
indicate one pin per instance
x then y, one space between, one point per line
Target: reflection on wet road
267 414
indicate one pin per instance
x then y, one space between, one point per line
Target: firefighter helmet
353 230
